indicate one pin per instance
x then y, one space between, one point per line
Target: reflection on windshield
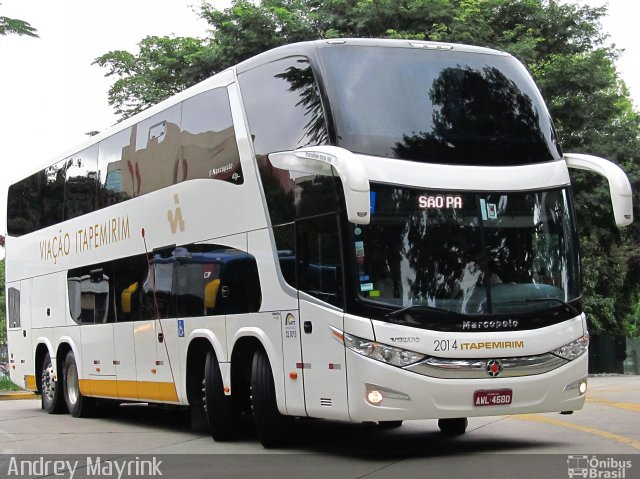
497 253
437 107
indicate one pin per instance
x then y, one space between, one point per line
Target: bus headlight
382 352
573 349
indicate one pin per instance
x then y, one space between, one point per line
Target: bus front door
320 285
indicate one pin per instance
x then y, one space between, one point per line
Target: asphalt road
606 434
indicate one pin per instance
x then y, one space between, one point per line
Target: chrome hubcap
48 383
73 389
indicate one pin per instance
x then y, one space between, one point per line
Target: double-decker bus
360 230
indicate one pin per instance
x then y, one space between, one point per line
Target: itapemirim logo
175 217
597 468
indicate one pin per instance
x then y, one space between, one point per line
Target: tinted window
53 194
153 164
283 106
13 300
437 106
214 280
81 183
192 140
112 168
208 141
89 296
24 205
187 281
318 258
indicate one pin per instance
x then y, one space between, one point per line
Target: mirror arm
619 186
320 160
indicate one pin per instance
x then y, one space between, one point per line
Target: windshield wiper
571 308
432 309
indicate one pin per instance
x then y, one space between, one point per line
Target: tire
222 418
389 424
272 427
52 395
77 404
453 426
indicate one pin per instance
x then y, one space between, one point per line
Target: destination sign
440 201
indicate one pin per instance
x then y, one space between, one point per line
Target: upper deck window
437 106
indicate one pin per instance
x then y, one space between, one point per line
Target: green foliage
12 26
561 43
7 385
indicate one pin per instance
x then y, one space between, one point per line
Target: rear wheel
52 400
78 405
221 416
453 426
271 426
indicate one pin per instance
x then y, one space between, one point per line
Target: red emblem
494 368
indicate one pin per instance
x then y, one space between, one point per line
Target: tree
12 26
562 44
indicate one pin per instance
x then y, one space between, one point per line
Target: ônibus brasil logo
596 468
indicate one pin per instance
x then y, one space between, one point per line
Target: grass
7 385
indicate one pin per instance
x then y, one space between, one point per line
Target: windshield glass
468 253
436 106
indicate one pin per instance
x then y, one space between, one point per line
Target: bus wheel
52 401
221 416
389 424
78 405
454 426
271 426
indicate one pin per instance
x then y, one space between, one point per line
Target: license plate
492 397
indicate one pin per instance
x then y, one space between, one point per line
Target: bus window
80 184
24 211
151 165
89 296
111 150
318 258
208 140
53 194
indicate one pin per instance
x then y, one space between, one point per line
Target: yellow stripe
30 382
137 390
627 406
589 430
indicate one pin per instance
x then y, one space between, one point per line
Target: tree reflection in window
477 112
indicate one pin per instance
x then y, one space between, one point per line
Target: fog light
583 387
374 397
580 385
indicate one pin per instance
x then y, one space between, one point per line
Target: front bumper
408 395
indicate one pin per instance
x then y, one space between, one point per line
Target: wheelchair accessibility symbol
181 328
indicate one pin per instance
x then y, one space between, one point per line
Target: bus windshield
434 106
468 253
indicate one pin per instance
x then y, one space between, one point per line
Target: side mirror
320 160
619 186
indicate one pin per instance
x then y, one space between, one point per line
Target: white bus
360 230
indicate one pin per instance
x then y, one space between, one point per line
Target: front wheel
50 386
453 426
78 405
271 426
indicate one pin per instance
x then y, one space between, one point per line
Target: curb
14 395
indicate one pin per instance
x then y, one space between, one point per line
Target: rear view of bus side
361 230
